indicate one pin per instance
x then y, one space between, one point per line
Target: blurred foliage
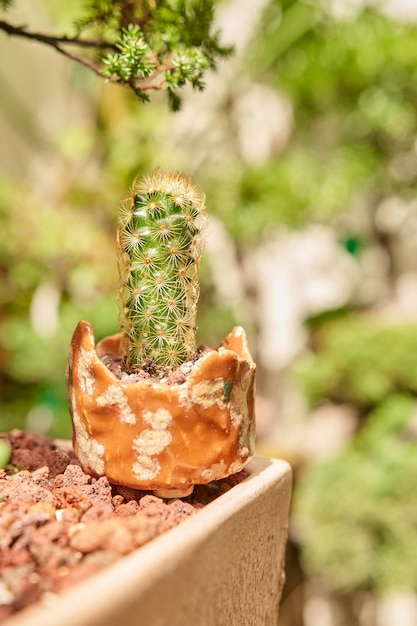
361 361
5 453
60 275
357 513
352 86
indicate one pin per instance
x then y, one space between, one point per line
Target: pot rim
111 342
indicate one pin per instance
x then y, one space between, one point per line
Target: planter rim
138 571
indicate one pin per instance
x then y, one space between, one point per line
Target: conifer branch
140 45
53 40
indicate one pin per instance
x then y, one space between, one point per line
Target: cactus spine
160 242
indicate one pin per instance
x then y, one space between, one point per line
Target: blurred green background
305 144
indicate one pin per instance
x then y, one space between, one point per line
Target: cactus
160 242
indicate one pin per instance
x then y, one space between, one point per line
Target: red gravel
59 525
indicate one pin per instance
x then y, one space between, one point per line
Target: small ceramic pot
156 436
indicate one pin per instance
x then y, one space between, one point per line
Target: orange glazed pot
157 436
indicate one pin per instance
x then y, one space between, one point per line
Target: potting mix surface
58 525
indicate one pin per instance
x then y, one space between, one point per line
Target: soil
169 375
58 525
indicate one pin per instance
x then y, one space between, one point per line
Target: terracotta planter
157 436
223 566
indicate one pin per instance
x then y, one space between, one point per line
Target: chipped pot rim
235 346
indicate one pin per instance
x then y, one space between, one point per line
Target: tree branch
76 57
147 84
50 40
126 57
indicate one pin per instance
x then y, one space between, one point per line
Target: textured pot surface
223 566
162 437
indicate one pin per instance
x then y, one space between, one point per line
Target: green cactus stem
5 453
160 243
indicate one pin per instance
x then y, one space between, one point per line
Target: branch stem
53 41
59 43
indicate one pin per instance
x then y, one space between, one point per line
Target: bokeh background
305 143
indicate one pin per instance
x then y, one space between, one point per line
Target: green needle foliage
132 58
140 44
160 242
